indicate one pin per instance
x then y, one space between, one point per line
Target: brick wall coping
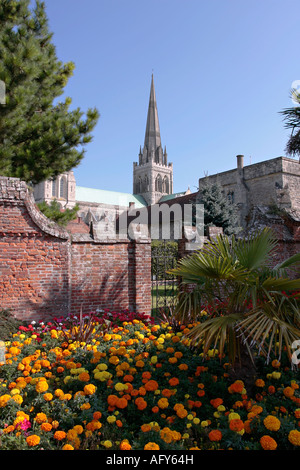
15 191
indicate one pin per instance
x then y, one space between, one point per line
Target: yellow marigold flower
294 437
42 386
101 366
18 399
107 444
111 419
120 387
33 440
276 375
233 415
272 423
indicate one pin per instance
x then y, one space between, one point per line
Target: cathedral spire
152 134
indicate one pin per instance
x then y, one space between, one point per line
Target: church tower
152 174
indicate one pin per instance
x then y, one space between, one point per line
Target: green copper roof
113 198
167 197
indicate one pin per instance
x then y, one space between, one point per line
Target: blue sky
223 70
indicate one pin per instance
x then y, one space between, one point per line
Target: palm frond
216 333
254 252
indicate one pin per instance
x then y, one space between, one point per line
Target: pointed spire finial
152 134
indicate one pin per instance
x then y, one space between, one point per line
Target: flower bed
136 385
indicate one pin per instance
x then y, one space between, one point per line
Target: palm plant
253 307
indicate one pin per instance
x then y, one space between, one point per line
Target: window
54 188
165 186
146 183
230 196
158 184
63 187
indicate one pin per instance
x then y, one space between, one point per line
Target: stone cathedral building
253 188
152 181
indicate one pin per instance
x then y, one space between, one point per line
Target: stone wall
45 271
271 182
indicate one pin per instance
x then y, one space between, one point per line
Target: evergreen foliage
40 137
53 211
218 209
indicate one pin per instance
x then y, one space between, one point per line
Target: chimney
240 161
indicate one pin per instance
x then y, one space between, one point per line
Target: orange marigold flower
41 386
97 415
175 339
236 425
151 385
140 364
146 375
288 392
112 400
41 418
146 427
215 435
215 402
121 402
268 443
294 437
271 389
297 413
236 387
89 389
33 440
140 403
163 403
59 435
128 378
151 446
67 447
84 377
247 426
272 423
125 445
174 381
260 383
178 354
172 360
46 427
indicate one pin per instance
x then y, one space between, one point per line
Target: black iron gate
164 257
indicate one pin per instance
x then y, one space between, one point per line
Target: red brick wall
44 273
